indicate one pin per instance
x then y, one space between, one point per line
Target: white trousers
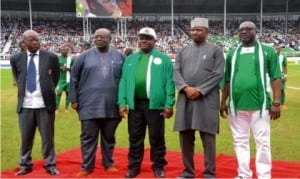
260 125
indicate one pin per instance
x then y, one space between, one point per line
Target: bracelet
284 75
276 104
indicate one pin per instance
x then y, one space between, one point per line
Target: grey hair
30 32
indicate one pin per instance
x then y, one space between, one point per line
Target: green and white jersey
246 83
250 76
65 62
283 64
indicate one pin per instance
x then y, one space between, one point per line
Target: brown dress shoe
111 170
83 173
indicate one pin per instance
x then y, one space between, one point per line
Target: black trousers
187 144
29 120
138 120
90 130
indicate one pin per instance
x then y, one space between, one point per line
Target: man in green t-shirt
283 68
249 70
65 63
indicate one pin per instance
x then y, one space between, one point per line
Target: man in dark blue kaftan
93 94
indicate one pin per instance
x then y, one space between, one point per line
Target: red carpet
68 163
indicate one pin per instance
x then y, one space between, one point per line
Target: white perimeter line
291 87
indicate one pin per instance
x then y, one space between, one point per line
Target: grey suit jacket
49 75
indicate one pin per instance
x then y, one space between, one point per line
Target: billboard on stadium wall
104 8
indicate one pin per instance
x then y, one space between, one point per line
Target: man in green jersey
283 68
252 69
65 63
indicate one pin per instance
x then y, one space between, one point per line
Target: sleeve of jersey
274 66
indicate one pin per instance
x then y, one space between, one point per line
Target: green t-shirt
140 78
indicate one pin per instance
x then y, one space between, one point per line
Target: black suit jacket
49 75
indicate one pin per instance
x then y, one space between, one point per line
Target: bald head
103 31
102 39
247 24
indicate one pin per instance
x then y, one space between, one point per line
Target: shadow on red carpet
68 163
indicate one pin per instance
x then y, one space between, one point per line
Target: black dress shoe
52 171
184 177
24 171
132 173
159 173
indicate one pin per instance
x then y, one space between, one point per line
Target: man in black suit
36 73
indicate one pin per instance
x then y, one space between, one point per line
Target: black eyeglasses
145 37
101 37
247 29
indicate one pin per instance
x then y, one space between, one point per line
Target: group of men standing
106 86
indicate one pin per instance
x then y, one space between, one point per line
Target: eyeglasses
145 37
247 29
101 37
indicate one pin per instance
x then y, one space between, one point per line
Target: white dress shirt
35 99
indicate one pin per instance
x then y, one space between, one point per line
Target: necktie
31 75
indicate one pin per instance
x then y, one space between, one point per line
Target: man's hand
284 79
63 68
167 113
74 105
191 93
274 112
123 111
224 110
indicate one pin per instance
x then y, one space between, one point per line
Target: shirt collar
37 53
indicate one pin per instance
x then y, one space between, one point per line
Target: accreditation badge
157 61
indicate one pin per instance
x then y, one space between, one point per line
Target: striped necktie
31 75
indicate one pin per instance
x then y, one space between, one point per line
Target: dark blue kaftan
94 83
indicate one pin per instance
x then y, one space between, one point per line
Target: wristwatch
276 103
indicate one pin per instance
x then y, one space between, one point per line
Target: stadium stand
56 22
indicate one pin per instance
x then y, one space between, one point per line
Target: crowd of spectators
53 33
6 29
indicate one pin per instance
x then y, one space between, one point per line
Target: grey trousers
90 130
187 144
29 120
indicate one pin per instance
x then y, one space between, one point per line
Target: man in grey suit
36 73
199 68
